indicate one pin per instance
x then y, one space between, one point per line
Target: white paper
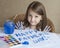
51 40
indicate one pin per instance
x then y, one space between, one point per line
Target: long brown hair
39 8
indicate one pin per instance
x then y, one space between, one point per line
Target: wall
10 8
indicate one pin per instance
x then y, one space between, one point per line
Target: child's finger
19 23
47 29
16 27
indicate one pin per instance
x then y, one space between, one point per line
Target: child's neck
33 27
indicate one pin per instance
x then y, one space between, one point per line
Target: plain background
10 8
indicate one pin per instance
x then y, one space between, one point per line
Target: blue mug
9 27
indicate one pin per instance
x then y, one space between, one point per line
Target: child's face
33 18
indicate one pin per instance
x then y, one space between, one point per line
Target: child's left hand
47 29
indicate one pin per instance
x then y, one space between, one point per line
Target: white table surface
5 45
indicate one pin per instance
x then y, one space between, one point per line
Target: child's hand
47 29
19 25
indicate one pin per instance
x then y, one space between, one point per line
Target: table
4 44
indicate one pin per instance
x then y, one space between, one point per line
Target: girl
36 17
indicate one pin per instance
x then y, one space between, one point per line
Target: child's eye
29 15
36 16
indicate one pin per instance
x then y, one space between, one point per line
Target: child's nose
32 19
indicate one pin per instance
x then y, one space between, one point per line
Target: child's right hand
19 25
